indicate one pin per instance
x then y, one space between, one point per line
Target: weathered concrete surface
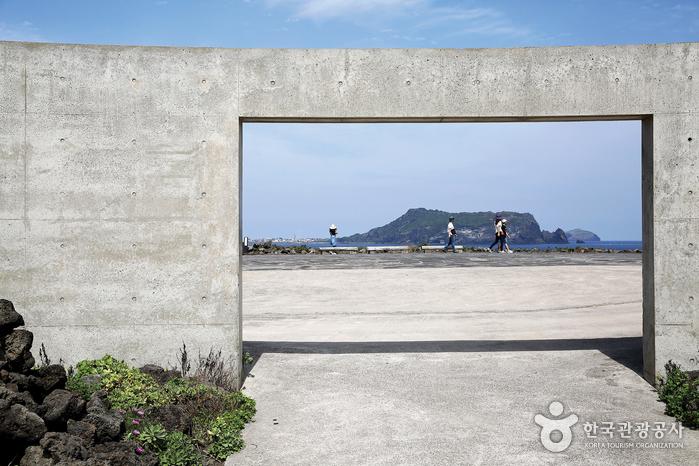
437 365
119 200
120 163
470 303
441 408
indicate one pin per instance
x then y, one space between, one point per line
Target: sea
615 245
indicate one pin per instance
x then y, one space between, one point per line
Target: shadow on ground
627 351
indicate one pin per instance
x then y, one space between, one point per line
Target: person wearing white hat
333 235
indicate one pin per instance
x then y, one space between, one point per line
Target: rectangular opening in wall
384 302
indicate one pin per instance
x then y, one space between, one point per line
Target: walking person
498 234
504 247
451 232
333 235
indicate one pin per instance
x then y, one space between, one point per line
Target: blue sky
299 178
350 23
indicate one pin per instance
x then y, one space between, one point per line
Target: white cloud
330 9
445 15
477 21
420 15
494 28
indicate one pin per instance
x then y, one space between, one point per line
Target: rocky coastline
269 248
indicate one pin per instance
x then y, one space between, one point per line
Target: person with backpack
451 233
333 235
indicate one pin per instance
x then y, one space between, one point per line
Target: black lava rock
159 374
59 406
20 381
17 345
82 429
108 426
63 447
47 379
17 397
9 318
34 456
98 402
18 424
120 454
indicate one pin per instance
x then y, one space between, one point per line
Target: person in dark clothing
333 235
498 233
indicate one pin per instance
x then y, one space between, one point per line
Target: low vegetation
183 420
679 390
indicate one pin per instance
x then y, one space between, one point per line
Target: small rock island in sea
578 235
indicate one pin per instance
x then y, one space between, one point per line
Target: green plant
224 431
247 358
218 415
182 389
179 450
243 404
225 436
680 393
126 387
84 389
154 437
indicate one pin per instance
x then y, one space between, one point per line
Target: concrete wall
110 244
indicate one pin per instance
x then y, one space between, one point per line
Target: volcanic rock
19 424
9 318
60 406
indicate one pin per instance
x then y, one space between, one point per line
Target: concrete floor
443 365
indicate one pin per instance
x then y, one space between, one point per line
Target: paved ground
444 365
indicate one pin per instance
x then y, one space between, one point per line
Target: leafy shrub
243 404
126 387
680 393
225 435
180 450
224 431
218 415
219 421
